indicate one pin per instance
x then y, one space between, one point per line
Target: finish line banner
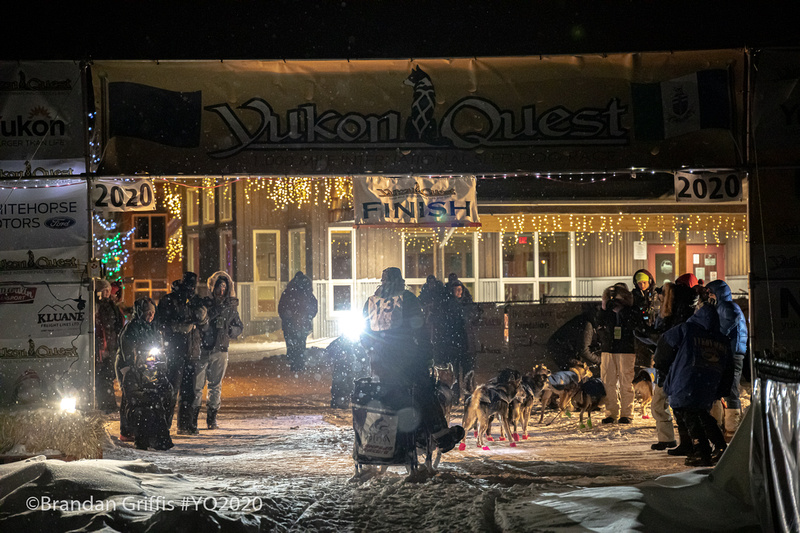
415 201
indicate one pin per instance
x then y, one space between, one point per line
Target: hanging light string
337 192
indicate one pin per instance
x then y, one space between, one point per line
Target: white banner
415 201
110 194
42 115
709 186
43 214
42 311
52 264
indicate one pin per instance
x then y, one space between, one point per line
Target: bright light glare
351 326
68 404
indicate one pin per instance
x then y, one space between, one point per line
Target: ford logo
59 222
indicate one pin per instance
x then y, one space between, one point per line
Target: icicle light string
337 192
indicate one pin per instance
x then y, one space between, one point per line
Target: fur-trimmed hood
212 281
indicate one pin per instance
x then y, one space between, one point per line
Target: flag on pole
682 105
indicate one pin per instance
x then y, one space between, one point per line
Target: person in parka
149 396
297 308
223 325
733 325
698 364
616 325
180 314
139 336
577 341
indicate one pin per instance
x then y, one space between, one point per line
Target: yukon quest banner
431 116
42 127
415 201
43 214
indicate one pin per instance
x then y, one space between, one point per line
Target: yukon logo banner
45 214
36 349
51 310
41 118
415 201
433 116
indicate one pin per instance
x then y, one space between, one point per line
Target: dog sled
385 426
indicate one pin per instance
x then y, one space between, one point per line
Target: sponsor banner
43 311
415 201
432 116
116 194
52 367
40 264
42 116
709 186
25 169
44 214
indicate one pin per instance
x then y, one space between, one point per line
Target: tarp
431 116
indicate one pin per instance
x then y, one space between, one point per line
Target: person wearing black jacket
577 341
399 356
136 339
297 308
179 315
223 325
148 393
617 365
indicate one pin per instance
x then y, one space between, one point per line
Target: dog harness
563 379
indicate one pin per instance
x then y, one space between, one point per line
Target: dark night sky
282 29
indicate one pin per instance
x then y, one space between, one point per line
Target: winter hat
392 283
688 280
101 284
641 276
189 280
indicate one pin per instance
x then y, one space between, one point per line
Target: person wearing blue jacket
697 361
734 326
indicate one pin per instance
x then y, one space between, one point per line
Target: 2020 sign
708 186
123 195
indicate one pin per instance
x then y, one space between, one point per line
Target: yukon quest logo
59 222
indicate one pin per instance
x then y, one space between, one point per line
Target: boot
211 418
193 421
733 418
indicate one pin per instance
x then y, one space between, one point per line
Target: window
341 269
419 252
193 253
537 265
226 251
226 203
149 231
266 272
297 251
192 207
150 288
459 257
209 207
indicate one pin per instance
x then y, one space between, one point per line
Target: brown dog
563 385
519 412
488 401
643 388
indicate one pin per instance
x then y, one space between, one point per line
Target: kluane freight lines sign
415 201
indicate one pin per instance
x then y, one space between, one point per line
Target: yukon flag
681 105
154 114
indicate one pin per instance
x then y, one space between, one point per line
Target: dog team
679 348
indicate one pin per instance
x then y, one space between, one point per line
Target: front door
706 261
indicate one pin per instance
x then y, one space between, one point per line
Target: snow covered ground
282 462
